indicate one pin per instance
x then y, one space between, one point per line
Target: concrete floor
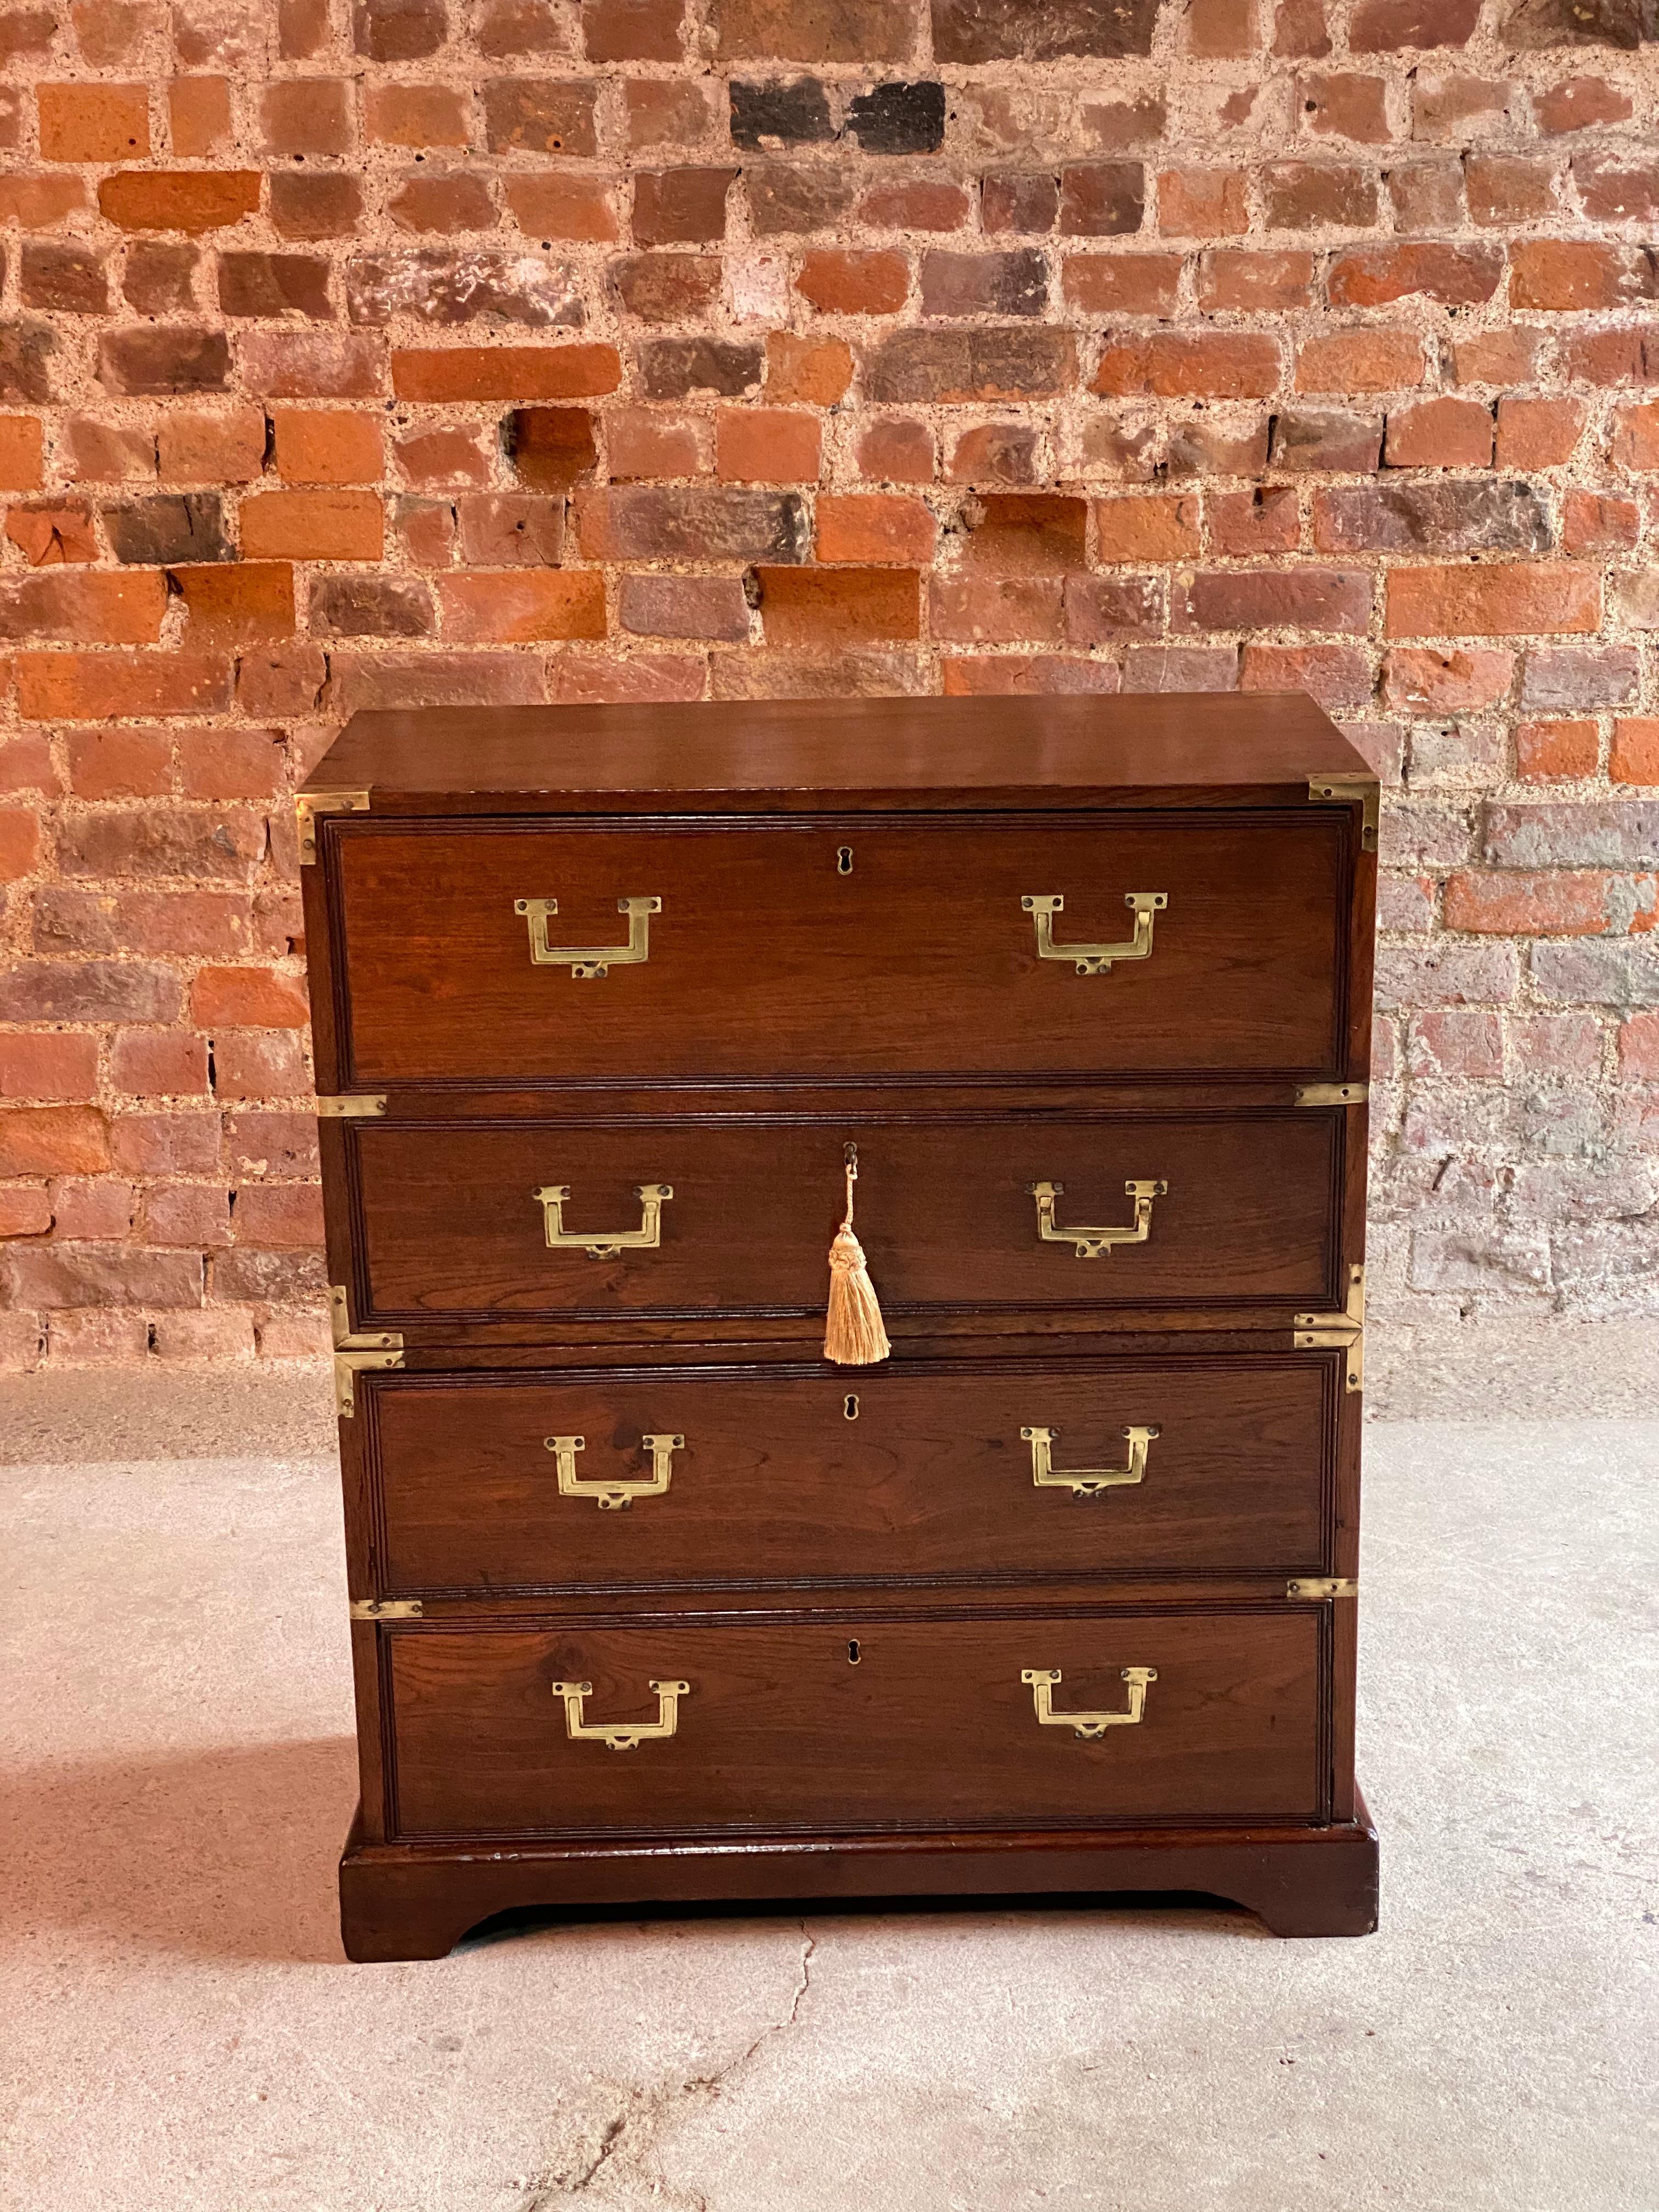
183 2035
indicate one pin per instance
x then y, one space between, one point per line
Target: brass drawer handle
616 1496
646 1237
1087 1728
1096 1243
633 1734
1085 1481
1096 959
589 963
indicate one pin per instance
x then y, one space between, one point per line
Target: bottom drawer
855 1727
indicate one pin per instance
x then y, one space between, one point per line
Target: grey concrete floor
183 2036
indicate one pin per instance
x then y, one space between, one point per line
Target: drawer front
834 950
687 1480
450 1228
861 1725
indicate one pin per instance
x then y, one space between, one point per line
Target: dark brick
1307 196
650 522
448 285
399 30
785 200
1102 199
1491 516
168 528
1041 30
970 365
370 606
673 367
1024 202
666 288
26 352
985 283
159 276
1309 438
265 284
170 358
899 118
64 276
323 206
680 207
788 112
1531 24
90 991
550 448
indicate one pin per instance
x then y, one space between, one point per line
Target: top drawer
828 949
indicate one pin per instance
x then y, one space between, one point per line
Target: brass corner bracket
1344 1331
1363 791
1321 1586
308 804
386 1608
352 1106
354 1353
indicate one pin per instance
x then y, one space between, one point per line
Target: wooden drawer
832 949
448 1227
770 1484
861 1725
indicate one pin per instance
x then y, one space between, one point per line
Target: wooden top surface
1170 748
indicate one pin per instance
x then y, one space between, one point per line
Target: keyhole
851 1408
843 859
853 1653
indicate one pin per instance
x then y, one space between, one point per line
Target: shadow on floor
219 1854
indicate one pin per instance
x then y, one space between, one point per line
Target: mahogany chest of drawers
650 1599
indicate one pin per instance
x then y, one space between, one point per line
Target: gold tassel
853 1335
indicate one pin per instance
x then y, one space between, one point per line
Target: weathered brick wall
522 350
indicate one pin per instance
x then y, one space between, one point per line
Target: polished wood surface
804 1478
842 957
768 961
946 753
857 1726
449 1226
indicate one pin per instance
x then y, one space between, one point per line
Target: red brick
47 1064
1387 26
224 444
997 611
644 442
40 202
1636 436
875 528
94 122
463 373
1147 529
248 998
1122 283
893 450
1202 204
995 454
1219 28
1580 102
312 364
632 30
1638 1047
1253 522
1439 434
1457 679
914 203
19 843
1635 752
90 605
435 460
193 1215
312 525
258 1064
232 764
198 116
159 1064
1572 275
191 200
766 444
424 115
1329 599
307 115
1360 361
680 207
1499 599
563 207
276 1217
1599 522
1343 105
815 371
1208 365
91 1211
518 606
1376 276
317 445
839 606
235 603
1250 282
119 763
1010 675
59 687
52 1140
837 281
685 607
1537 433
1505 190
1506 356
1549 751
1519 902
20 453
1459 1041
1336 675
25 1211
1318 196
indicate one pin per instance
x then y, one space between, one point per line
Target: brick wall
530 351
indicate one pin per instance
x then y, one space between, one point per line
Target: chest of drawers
652 1601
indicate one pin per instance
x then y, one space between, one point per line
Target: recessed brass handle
1096 1243
589 963
1096 959
616 1496
632 1734
646 1237
1086 1481
1087 1728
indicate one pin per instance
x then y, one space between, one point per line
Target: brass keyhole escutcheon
850 1408
843 859
853 1655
